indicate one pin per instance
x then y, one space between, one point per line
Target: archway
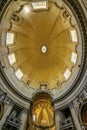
42 112
84 115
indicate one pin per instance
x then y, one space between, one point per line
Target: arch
83 115
42 111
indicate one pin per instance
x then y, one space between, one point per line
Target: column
74 116
57 119
23 118
85 93
6 114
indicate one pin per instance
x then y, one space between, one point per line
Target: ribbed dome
41 48
43 45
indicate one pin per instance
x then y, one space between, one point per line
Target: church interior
43 64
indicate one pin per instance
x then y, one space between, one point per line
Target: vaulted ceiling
43 45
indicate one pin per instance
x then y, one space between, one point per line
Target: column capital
11 102
71 105
57 111
25 111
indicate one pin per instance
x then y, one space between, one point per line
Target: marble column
57 119
75 118
6 114
23 118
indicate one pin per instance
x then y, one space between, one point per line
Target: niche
42 112
84 114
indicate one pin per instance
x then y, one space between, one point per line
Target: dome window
74 57
73 34
9 38
40 5
11 58
19 74
67 74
